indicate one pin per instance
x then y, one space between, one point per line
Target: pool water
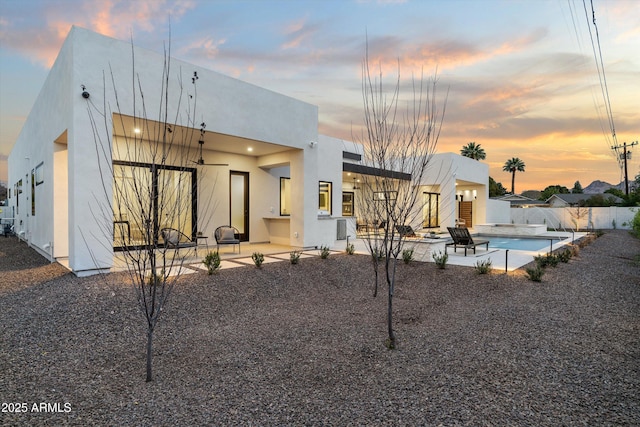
519 243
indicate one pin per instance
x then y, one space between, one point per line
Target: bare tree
151 208
399 139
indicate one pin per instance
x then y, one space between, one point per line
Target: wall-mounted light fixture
312 144
85 94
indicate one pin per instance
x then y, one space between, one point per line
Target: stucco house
262 166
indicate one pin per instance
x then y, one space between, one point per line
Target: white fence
576 218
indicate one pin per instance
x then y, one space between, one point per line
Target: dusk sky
521 74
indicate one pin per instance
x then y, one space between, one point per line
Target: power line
601 75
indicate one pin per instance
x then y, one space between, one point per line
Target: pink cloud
40 41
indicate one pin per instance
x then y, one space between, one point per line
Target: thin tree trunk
513 182
391 341
375 289
149 353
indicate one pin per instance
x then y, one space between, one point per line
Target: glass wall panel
238 202
147 199
285 196
324 198
431 210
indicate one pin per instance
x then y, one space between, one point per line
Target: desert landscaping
304 345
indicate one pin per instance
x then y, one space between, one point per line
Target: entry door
466 213
239 191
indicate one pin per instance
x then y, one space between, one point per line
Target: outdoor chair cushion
227 235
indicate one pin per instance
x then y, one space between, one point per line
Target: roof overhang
368 170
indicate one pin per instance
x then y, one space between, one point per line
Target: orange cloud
41 41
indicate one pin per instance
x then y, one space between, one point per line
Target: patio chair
227 235
173 238
462 238
405 231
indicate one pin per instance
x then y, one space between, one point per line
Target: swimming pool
520 243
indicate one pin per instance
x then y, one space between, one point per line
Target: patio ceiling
182 135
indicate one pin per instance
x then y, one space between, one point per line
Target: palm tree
513 165
473 151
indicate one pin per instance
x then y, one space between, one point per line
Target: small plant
440 259
535 273
564 256
635 223
547 260
159 277
378 254
613 224
294 257
575 249
324 252
407 255
212 262
257 258
351 249
483 266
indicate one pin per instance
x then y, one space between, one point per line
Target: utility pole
625 156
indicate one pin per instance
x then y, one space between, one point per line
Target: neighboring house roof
575 199
520 201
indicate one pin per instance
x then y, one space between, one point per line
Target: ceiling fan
200 160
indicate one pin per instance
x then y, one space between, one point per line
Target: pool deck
423 250
513 259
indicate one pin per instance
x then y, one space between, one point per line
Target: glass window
147 199
347 203
324 198
39 174
431 209
33 192
285 196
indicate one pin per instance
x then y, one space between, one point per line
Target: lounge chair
462 238
227 235
405 231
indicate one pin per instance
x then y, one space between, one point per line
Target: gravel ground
304 345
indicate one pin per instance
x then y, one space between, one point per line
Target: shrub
635 224
257 258
564 256
535 273
483 266
324 252
378 254
440 259
544 261
294 256
159 277
212 262
407 255
575 249
351 249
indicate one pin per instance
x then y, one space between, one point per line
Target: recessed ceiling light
136 130
250 149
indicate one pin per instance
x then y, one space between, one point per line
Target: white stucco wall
565 218
226 105
458 175
48 119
